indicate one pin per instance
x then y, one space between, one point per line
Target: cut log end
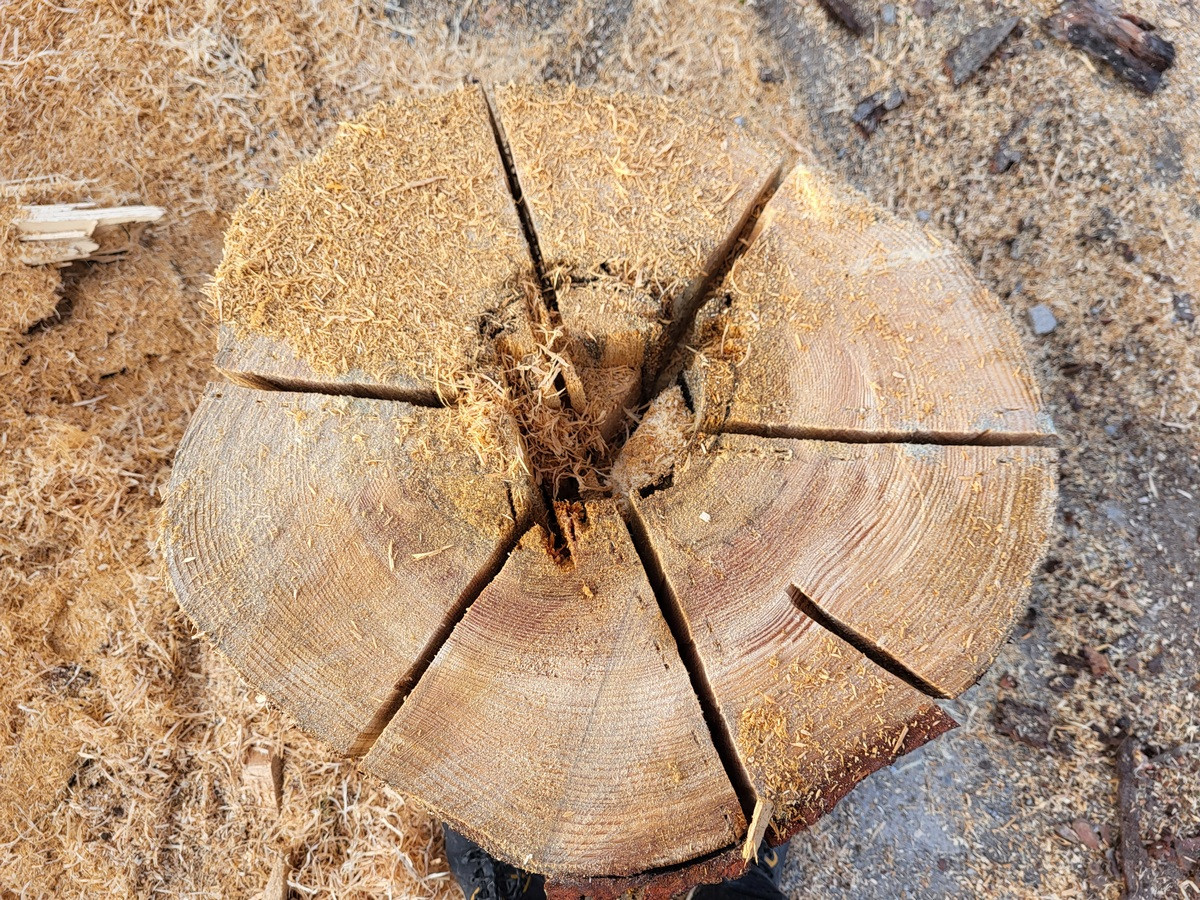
460 516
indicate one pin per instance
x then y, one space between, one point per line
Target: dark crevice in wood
632 886
672 612
427 399
854 436
671 372
486 575
549 298
682 320
871 651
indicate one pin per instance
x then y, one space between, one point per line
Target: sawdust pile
125 740
390 252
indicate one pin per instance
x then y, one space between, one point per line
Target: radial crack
871 651
677 622
428 399
514 186
853 436
736 244
486 575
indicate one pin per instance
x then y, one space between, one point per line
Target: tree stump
617 498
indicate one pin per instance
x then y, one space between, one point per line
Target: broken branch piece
65 232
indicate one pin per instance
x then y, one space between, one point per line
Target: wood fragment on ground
262 774
870 111
277 884
1005 156
1135 862
977 48
1126 42
845 12
61 233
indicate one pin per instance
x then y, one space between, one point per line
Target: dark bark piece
869 112
1135 862
847 14
1124 41
977 48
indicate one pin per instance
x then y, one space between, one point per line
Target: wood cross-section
842 321
326 542
558 727
387 266
750 583
921 552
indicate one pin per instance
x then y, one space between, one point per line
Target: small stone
1185 311
1042 319
923 215
889 14
739 121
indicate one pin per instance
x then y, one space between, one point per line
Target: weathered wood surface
842 321
559 717
324 543
830 520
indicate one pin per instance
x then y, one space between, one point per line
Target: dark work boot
760 881
482 877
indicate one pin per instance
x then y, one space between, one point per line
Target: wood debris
1123 40
262 774
870 111
65 232
1133 857
847 14
977 48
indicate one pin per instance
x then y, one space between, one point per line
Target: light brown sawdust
393 252
190 106
631 196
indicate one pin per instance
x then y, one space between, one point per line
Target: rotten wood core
717 480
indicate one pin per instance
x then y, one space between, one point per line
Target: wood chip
262 774
847 14
870 111
65 232
1125 41
977 48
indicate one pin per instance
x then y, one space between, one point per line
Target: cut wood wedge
558 719
326 544
843 322
387 266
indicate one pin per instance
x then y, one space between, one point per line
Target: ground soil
126 738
